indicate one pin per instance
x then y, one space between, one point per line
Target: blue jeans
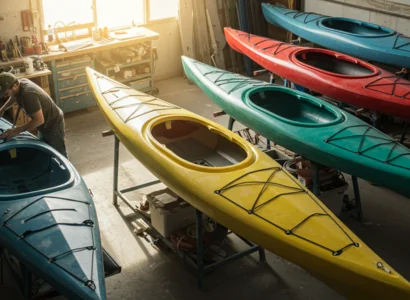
55 137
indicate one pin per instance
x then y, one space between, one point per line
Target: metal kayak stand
403 132
198 266
354 206
231 123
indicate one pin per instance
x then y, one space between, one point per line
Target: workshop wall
169 49
337 9
10 19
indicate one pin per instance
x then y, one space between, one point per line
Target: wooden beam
217 35
201 30
186 27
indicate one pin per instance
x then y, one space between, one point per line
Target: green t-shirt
31 98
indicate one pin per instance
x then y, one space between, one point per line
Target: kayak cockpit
356 27
330 62
29 170
292 107
197 143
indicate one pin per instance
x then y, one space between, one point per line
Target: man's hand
10 133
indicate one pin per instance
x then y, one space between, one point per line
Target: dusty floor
148 273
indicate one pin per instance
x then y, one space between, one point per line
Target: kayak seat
355 27
30 169
196 143
292 107
332 64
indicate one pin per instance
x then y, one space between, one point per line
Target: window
119 13
61 13
110 13
162 9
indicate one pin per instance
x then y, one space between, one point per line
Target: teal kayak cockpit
293 107
356 27
29 169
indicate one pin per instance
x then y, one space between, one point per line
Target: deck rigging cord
255 208
306 15
396 81
280 46
384 141
152 101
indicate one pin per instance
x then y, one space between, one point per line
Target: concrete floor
150 273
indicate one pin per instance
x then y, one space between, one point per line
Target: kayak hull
50 223
360 39
330 73
285 218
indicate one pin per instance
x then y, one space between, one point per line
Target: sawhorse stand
201 268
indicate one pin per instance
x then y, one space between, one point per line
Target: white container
28 63
169 212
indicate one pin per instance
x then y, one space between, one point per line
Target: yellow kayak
243 189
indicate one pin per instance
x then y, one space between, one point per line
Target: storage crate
169 212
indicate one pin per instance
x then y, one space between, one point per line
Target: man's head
8 85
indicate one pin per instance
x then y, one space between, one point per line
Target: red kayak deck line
339 76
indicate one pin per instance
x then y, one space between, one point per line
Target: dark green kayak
48 219
306 125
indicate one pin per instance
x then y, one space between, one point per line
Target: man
45 115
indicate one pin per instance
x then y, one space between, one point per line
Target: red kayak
327 72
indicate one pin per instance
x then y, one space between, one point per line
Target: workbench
68 83
70 86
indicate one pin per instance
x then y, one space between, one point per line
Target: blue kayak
48 219
368 41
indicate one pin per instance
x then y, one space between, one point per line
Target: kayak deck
30 169
61 230
197 144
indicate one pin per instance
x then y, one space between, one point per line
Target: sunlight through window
119 13
162 9
61 13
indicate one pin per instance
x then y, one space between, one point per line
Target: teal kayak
48 219
368 41
306 125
